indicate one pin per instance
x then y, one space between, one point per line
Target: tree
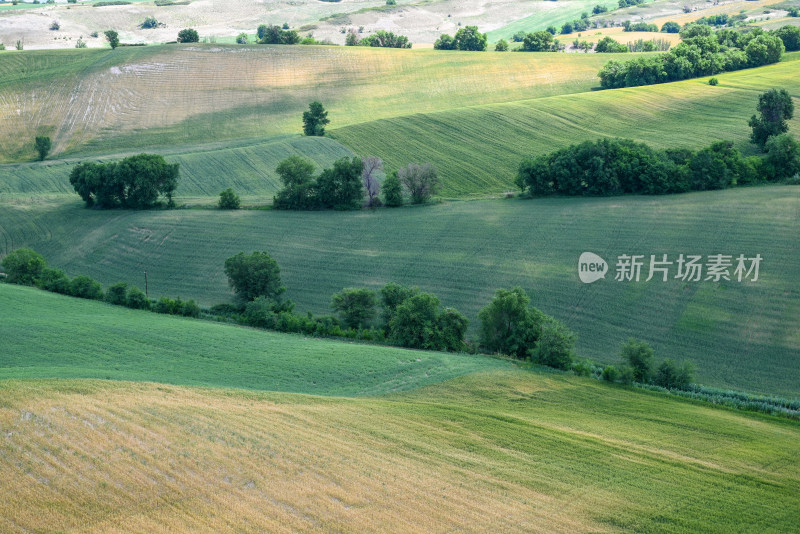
764 49
228 200
445 42
672 376
43 145
298 192
23 266
113 38
276 35
261 31
639 356
372 167
392 191
538 42
136 299
117 294
355 306
501 46
54 280
352 38
315 119
790 35
241 38
419 323
150 23
189 35
508 324
609 45
556 345
134 182
783 157
670 27
775 107
393 295
340 187
55 26
421 180
384 39
469 38
254 275
85 287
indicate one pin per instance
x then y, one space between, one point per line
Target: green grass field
49 336
477 150
92 101
740 335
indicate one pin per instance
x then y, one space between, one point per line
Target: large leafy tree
315 119
297 175
355 306
469 38
340 187
509 325
43 145
254 275
775 107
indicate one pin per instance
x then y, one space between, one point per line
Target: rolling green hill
742 335
477 150
51 336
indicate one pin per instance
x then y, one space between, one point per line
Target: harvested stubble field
103 101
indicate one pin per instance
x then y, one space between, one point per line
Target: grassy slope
248 167
478 150
50 336
500 451
99 100
741 335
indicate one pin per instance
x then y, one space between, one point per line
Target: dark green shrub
54 280
356 307
610 373
671 376
392 191
556 345
228 200
509 325
86 288
188 35
117 294
136 299
23 266
713 81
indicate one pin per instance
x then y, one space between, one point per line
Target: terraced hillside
103 100
499 449
742 335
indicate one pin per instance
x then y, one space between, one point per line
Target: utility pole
145 285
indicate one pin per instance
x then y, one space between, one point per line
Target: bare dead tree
372 167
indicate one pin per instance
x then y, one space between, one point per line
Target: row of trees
350 184
397 314
408 317
467 38
616 166
701 52
134 182
380 38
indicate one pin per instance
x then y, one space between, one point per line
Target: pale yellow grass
731 8
96 457
163 87
618 34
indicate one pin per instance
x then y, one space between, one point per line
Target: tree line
702 52
617 166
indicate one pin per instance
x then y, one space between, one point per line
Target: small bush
228 200
188 35
54 280
241 38
501 46
672 376
149 23
555 347
85 287
137 300
639 356
55 25
117 294
713 81
80 44
23 266
610 373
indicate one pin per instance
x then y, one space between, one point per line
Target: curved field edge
740 335
494 451
51 336
477 150
102 100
